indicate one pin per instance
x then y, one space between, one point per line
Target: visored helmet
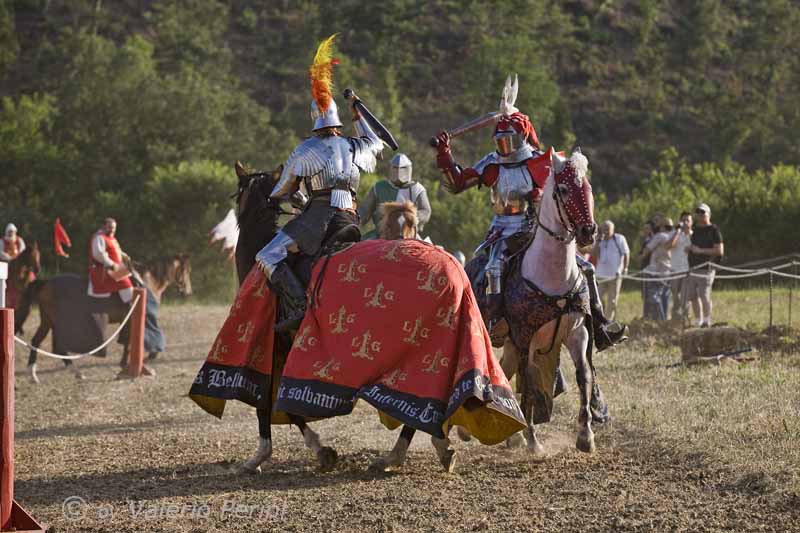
400 170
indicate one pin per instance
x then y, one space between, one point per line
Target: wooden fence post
136 347
12 516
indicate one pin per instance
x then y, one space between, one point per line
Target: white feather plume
509 96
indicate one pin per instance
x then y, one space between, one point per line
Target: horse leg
538 375
38 337
123 363
510 364
577 342
397 457
326 455
447 456
264 450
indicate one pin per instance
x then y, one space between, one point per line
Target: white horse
549 265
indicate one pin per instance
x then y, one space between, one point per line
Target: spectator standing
613 256
679 245
707 246
659 266
648 230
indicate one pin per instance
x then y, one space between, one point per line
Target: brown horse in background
22 271
68 292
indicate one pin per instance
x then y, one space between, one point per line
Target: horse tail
29 297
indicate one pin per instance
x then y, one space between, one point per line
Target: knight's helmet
10 229
514 130
325 119
324 111
400 170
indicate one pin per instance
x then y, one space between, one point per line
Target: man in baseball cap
707 247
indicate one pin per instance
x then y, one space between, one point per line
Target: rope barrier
741 273
82 355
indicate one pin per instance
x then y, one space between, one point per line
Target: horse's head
181 273
253 194
34 259
572 193
399 221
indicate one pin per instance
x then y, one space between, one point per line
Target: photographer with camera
656 291
613 256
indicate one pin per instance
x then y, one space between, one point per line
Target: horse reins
570 235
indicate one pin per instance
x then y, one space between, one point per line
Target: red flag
60 237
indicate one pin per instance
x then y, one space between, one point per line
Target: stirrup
609 335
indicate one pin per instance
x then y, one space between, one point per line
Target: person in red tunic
11 245
106 268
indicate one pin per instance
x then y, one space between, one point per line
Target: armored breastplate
331 164
511 190
335 168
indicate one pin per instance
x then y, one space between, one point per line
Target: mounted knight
327 166
515 172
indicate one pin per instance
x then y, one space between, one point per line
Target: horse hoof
32 372
250 467
448 460
585 443
327 458
123 363
147 371
536 448
515 441
464 434
378 467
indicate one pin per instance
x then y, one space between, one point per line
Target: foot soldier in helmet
515 173
328 166
400 187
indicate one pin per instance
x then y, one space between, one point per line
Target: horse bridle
568 224
271 203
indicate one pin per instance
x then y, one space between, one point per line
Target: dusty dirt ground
140 456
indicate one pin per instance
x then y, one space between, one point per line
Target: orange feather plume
321 72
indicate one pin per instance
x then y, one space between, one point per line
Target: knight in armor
399 187
11 245
328 166
515 173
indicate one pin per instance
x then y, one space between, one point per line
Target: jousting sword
376 125
472 125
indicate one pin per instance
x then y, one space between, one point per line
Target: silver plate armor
514 183
331 164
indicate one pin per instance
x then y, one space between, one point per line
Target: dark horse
258 222
22 271
66 308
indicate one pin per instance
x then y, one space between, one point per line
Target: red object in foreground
60 238
12 516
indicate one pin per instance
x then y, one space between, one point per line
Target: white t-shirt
680 257
610 253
